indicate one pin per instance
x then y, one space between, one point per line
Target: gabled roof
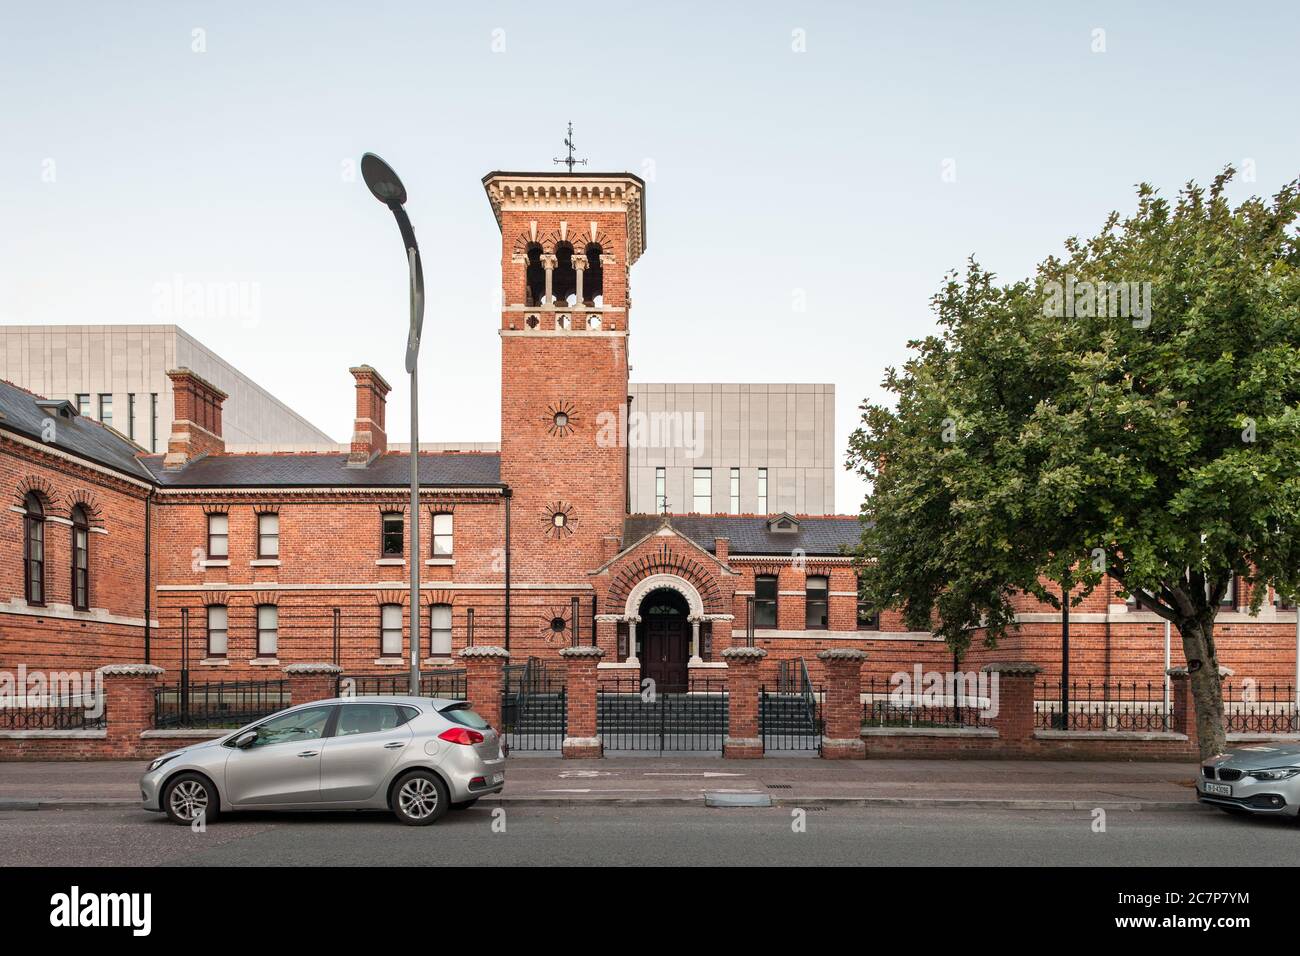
751 534
307 470
26 414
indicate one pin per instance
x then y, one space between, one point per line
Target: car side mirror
246 739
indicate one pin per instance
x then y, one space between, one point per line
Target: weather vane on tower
570 161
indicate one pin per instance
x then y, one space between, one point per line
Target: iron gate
630 718
789 717
534 706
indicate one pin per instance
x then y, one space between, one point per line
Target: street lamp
385 185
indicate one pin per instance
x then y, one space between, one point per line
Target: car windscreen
465 715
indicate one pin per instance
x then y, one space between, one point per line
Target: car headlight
1277 773
160 761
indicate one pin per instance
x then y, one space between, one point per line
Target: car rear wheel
420 798
187 797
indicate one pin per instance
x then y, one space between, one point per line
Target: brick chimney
722 549
196 419
368 436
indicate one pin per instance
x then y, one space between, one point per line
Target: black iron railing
52 713
632 718
534 705
444 682
217 704
888 704
1111 705
789 715
1251 706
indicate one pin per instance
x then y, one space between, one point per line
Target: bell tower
568 243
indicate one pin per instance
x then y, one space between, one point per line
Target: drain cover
737 800
780 786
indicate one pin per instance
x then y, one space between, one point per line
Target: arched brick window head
80 559
34 549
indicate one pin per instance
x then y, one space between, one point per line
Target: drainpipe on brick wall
148 585
507 494
627 461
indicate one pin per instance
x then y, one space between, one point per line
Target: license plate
1218 789
500 777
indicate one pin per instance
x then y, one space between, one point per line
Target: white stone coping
706 665
1246 736
619 666
313 668
744 654
1107 735
582 742
485 650
870 731
842 654
582 650
53 734
1012 668
201 733
131 670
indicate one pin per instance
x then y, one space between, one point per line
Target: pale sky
775 176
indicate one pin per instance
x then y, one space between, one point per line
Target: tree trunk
1207 686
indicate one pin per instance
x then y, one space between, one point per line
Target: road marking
565 774
606 790
686 773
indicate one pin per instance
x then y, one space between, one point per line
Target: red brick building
240 564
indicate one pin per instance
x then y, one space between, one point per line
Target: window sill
215 662
389 661
439 661
265 662
265 563
440 562
390 562
224 563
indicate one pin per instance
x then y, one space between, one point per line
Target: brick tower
568 242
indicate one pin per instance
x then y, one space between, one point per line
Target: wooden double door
665 641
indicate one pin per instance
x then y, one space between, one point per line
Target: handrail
809 700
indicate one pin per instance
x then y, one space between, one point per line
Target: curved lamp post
385 185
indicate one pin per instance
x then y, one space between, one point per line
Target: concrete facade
787 429
130 363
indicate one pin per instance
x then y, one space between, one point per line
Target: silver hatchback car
416 756
1261 778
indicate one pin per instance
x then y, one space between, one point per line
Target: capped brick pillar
580 737
484 669
368 435
128 705
742 738
1183 705
1013 696
196 419
842 703
308 682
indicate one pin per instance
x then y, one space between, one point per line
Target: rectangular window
868 620
130 416
392 542
218 537
80 566
765 600
762 491
83 405
268 535
735 491
106 409
661 492
153 422
218 633
816 608
702 491
442 536
390 630
440 630
268 630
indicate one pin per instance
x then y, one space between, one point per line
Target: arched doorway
665 636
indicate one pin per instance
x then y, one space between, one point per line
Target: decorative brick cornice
485 651
744 654
576 193
1012 668
131 670
583 650
842 654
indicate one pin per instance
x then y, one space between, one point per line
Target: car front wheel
188 797
420 798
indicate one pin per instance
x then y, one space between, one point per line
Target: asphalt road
611 836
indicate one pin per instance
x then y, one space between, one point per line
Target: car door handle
395 745
309 753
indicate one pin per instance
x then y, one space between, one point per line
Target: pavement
687 782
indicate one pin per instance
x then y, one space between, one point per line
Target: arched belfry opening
534 276
593 281
564 282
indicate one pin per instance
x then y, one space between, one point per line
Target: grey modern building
726 448
117 374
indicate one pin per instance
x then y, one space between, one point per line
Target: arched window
34 549
564 282
534 276
80 559
593 283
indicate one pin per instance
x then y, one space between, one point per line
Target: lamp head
382 181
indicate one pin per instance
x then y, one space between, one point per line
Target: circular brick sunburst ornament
555 626
561 419
559 520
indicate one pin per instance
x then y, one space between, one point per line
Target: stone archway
671 581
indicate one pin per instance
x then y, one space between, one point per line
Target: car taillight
461 735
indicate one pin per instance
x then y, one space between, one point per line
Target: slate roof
75 434
749 534
305 470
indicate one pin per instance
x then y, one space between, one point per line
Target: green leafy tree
1084 423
